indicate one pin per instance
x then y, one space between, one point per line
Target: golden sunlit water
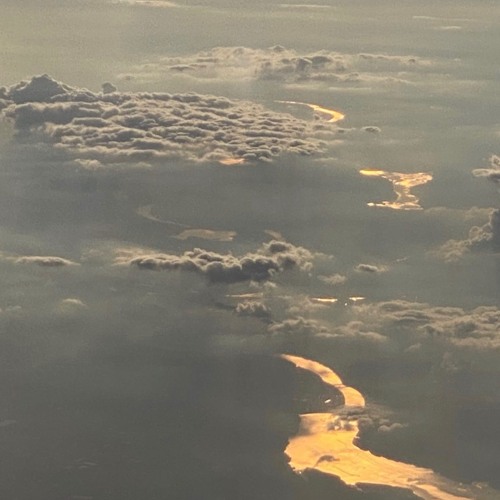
402 184
325 300
326 442
334 116
256 295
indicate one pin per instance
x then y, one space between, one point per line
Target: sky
192 191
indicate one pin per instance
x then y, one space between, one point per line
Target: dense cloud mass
114 127
272 258
284 65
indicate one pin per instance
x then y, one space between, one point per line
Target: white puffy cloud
114 127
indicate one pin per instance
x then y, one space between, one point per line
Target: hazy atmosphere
249 250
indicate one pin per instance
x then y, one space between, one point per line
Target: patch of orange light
335 116
257 295
401 184
352 397
326 442
232 161
324 300
356 299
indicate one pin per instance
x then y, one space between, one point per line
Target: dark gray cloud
272 258
114 127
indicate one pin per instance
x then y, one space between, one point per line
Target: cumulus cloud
452 327
370 268
115 127
71 305
492 173
333 279
44 261
485 237
284 65
272 258
298 327
253 308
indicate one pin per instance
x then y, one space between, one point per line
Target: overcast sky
180 182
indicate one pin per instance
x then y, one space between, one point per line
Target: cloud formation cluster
114 127
272 258
492 172
284 65
448 337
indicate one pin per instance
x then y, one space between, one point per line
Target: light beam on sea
326 442
402 185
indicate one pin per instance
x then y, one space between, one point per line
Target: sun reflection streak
326 442
232 161
401 184
324 300
335 116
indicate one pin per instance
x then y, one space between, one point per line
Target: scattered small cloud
333 279
492 172
44 261
253 308
371 268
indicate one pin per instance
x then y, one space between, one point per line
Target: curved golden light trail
401 184
326 442
335 116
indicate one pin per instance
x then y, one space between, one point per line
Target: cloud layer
284 65
114 127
